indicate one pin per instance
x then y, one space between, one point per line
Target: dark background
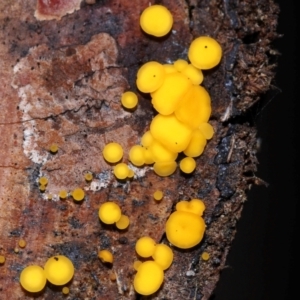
263 256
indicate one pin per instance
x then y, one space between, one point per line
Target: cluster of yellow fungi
58 270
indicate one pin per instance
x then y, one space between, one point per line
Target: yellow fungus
49 196
33 279
43 181
130 173
205 256
150 77
78 194
159 153
195 206
63 194
16 250
196 145
166 98
180 64
145 246
136 155
109 213
163 255
42 188
121 171
129 100
156 20
147 139
53 148
106 256
2 259
148 278
193 74
112 276
148 156
170 132
169 68
184 230
65 290
22 243
165 168
112 152
205 53
59 270
88 176
207 130
123 223
158 195
187 165
136 264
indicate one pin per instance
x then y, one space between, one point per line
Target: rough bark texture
61 81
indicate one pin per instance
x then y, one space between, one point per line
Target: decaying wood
61 81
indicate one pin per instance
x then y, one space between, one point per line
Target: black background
263 256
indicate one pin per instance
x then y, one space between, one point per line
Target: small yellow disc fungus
205 256
150 77
2 259
121 171
149 159
145 246
88 176
187 165
78 194
147 139
43 181
53 148
42 188
169 68
33 279
106 256
136 264
49 196
65 290
109 213
165 168
16 250
156 20
136 155
148 278
180 64
172 133
158 195
112 276
195 206
130 173
112 152
59 270
184 230
163 255
129 100
22 243
193 74
166 98
207 130
205 53
123 223
159 153
63 194
196 145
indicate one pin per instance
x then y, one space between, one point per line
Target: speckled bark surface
61 82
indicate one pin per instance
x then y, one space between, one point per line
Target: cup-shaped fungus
195 206
164 169
2 259
53 148
59 270
123 223
78 194
106 256
33 279
129 100
22 243
88 176
193 74
43 181
148 278
156 20
147 139
184 230
109 213
137 155
121 171
158 195
112 152
63 194
205 53
187 165
207 130
196 145
180 64
163 255
145 246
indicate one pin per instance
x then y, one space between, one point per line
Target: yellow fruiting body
112 152
147 139
193 74
33 279
65 290
164 169
145 246
78 194
53 148
43 181
180 64
163 256
149 278
184 230
42 188
207 130
156 20
195 206
196 145
158 195
136 264
150 77
2 259
205 256
169 68
22 243
205 53
49 196
130 173
136 155
160 153
88 176
187 165
63 194
59 270
109 213
123 223
148 156
121 171
106 256
129 100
